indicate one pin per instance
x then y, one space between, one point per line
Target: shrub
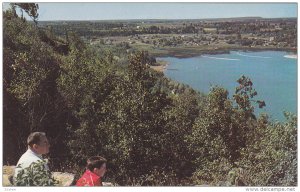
35 175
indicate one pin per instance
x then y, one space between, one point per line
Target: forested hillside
152 131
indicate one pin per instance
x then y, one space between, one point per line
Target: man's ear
35 146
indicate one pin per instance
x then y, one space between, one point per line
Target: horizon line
217 18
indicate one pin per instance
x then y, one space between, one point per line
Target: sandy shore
291 56
161 67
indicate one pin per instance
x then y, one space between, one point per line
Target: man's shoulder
27 158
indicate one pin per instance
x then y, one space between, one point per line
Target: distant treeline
256 26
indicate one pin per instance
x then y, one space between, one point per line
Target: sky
169 10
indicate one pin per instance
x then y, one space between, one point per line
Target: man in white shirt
38 145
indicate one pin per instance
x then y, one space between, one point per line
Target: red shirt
89 179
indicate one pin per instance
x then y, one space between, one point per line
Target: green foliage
31 68
30 8
212 137
155 178
244 94
230 140
272 159
35 175
180 119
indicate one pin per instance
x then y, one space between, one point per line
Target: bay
274 76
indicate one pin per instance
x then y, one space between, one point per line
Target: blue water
274 76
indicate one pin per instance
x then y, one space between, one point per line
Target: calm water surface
274 76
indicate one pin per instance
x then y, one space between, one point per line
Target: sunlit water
274 76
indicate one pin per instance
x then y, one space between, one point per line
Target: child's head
97 165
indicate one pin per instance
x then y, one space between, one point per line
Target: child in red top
96 168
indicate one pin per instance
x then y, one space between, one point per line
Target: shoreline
162 64
194 52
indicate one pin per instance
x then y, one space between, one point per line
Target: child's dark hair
95 162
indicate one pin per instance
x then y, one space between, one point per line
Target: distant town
185 37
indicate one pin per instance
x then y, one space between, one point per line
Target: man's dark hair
95 162
35 138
